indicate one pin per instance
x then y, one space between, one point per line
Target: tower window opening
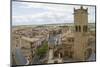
85 28
78 28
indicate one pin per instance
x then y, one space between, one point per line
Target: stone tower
81 29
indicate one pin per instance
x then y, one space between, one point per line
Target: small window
70 39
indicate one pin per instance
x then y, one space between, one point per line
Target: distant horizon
48 24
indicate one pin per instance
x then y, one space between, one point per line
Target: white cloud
55 13
52 7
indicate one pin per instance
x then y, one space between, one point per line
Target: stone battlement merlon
81 9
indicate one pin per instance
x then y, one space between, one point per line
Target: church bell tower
81 29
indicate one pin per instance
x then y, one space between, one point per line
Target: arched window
85 28
78 28
88 53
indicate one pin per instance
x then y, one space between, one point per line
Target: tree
42 50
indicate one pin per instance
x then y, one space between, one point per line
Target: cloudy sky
27 13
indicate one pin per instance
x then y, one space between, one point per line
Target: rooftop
30 39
